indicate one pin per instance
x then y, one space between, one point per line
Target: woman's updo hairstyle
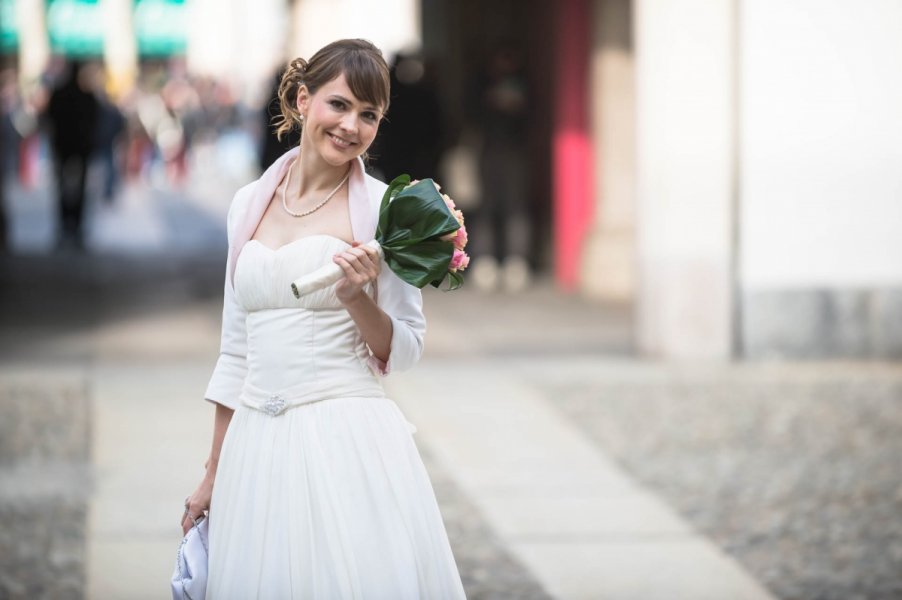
364 69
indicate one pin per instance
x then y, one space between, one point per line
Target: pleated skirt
328 500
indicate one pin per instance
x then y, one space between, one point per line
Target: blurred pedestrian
72 113
503 228
110 129
410 137
9 142
319 489
271 145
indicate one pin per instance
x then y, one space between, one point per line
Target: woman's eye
369 116
337 104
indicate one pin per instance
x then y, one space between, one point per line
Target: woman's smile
340 142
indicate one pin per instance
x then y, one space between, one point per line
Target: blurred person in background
271 146
314 487
167 109
502 223
410 137
9 141
110 129
72 114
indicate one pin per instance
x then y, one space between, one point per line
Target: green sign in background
160 27
75 27
9 33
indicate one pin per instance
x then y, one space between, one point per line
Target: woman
319 489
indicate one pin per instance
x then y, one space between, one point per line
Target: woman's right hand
197 503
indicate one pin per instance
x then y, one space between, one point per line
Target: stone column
34 47
120 49
213 43
609 264
392 25
240 41
685 70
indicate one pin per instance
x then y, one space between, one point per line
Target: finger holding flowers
361 265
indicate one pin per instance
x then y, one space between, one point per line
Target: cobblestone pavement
792 469
44 485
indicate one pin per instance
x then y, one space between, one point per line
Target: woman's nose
349 122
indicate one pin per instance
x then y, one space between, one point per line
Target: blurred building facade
762 215
729 167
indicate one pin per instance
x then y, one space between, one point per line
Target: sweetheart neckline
300 239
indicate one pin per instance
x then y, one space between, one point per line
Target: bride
314 487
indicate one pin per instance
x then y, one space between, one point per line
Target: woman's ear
303 99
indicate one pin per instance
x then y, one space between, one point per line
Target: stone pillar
120 49
392 25
685 70
241 41
34 47
609 263
213 43
821 184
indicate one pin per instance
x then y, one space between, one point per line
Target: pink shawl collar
363 215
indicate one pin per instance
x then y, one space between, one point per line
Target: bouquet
420 235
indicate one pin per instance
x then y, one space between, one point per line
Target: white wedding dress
320 491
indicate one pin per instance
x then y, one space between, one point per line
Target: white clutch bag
189 580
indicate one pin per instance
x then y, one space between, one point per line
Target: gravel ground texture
794 470
45 483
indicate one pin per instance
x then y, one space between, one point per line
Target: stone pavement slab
152 432
565 510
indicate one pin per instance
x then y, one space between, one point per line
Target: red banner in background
571 141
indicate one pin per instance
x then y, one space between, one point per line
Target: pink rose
460 238
449 202
459 261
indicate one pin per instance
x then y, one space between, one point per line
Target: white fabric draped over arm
403 303
231 368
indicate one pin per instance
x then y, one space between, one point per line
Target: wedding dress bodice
292 343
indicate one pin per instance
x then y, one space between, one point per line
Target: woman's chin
337 157
339 160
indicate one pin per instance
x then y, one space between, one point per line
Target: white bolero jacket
401 301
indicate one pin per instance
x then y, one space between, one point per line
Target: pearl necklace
318 206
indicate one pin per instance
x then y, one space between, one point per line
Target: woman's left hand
361 265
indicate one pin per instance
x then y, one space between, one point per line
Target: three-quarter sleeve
231 368
403 303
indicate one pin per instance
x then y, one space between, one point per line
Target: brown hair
361 62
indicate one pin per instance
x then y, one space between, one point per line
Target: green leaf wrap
411 222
